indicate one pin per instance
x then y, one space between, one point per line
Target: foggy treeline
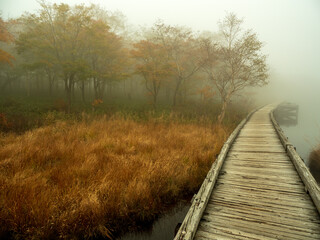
86 53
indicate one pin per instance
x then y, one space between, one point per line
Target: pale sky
290 29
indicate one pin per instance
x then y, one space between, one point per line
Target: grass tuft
92 177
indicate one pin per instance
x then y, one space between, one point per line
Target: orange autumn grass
88 179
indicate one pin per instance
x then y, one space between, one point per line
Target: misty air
140 120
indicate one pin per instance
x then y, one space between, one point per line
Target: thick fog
290 30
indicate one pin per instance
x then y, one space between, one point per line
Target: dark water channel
163 228
304 134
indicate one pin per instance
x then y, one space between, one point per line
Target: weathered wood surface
189 226
258 193
310 183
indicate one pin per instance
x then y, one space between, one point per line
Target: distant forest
85 53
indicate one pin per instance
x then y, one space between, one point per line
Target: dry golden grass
87 179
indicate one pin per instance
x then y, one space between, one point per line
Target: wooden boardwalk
256 194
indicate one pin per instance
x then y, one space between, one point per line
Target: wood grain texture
258 193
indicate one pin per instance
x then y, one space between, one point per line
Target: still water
305 134
164 227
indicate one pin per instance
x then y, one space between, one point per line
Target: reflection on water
303 134
287 114
164 227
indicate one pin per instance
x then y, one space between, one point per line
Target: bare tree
235 62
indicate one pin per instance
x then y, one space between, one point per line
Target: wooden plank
293 225
262 171
299 213
271 227
209 231
258 156
259 165
257 192
261 193
258 142
254 199
307 178
264 132
266 174
262 180
261 202
308 226
212 234
259 161
261 227
257 135
244 182
248 148
255 144
190 224
262 188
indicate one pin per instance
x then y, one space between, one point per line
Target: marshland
111 114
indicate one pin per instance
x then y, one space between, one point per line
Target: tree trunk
50 88
131 89
95 88
102 90
66 84
223 112
28 84
225 104
73 90
124 87
68 88
176 90
51 82
82 91
154 100
5 84
167 92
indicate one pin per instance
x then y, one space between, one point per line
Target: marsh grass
98 176
20 114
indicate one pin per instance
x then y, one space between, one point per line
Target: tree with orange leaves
153 65
181 47
105 56
72 43
6 37
206 93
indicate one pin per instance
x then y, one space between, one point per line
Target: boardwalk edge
310 183
191 221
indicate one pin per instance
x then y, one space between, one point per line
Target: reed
92 177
